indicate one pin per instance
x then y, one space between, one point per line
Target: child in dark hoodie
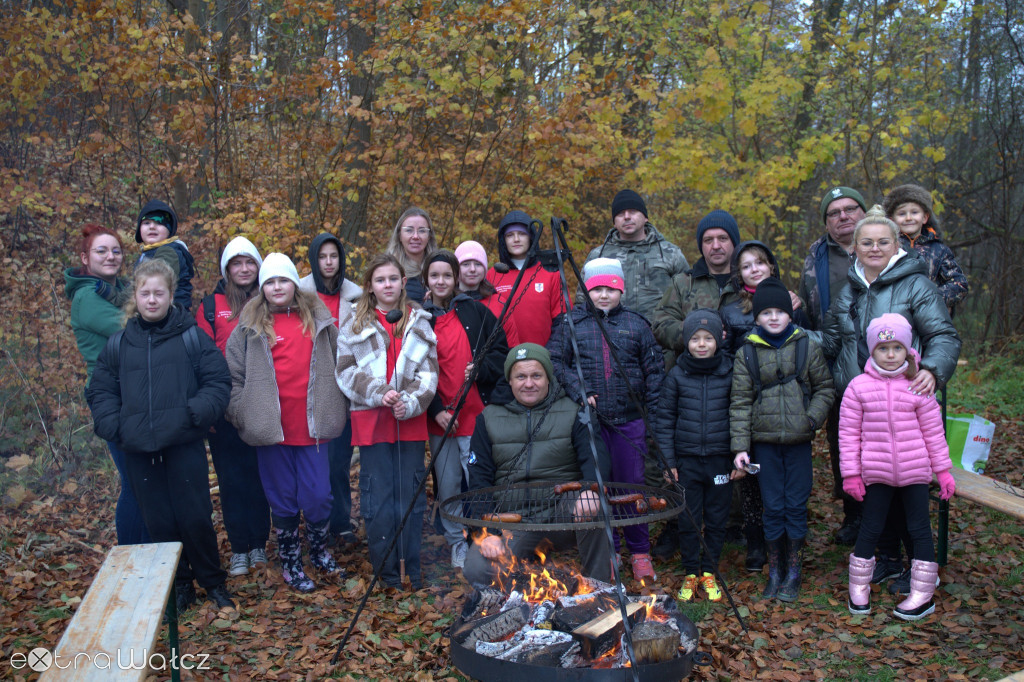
538 301
327 280
156 229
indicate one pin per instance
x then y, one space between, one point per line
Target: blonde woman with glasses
413 242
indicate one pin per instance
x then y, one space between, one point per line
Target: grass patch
58 612
989 384
696 611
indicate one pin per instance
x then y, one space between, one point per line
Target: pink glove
854 487
947 484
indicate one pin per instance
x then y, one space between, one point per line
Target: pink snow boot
860 585
922 587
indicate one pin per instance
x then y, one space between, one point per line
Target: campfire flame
541 581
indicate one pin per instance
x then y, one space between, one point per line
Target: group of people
718 366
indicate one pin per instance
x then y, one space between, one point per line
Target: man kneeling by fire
539 435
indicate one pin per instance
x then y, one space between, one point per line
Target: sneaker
257 558
642 567
239 565
459 554
689 588
220 596
901 585
711 588
847 533
886 568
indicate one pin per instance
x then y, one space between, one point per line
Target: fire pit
572 637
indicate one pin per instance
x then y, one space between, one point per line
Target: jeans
448 468
389 475
131 529
786 477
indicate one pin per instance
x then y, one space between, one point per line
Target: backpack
209 306
753 367
190 337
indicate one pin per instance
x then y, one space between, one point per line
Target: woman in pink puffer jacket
891 441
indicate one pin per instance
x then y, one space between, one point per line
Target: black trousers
708 499
173 490
242 500
877 502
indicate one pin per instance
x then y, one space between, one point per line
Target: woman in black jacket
157 389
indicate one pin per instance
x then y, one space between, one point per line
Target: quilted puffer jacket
904 289
889 435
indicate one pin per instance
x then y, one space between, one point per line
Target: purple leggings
296 478
627 446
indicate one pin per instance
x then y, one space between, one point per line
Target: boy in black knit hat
781 394
157 230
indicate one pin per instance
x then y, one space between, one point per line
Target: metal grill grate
542 509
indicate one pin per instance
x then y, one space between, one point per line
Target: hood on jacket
239 246
517 218
909 263
737 280
151 207
79 278
314 262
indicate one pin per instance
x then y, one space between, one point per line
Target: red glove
854 487
947 484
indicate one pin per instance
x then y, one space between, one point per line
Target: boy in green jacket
781 394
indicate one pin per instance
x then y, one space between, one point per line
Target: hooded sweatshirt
538 301
95 312
339 299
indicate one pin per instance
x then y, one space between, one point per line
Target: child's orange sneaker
710 586
689 588
642 567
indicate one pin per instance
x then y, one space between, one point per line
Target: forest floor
53 541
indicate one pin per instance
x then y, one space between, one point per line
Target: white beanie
239 246
278 265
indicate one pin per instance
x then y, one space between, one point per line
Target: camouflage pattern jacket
648 267
689 291
942 266
824 272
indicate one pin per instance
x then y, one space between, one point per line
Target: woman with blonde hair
412 244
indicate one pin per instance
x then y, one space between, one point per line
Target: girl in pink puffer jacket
891 441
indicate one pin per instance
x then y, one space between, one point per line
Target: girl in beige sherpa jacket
286 404
388 370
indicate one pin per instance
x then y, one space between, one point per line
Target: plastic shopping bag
970 440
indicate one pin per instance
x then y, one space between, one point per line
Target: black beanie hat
722 220
703 318
772 293
627 198
159 212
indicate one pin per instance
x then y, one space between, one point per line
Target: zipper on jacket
703 414
529 443
310 412
892 433
149 377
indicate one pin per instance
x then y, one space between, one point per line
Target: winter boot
776 550
319 555
755 549
919 604
850 528
290 549
860 585
790 588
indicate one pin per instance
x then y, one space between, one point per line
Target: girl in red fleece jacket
891 441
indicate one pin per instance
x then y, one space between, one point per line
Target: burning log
572 617
654 642
602 633
496 627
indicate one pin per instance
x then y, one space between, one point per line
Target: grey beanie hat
702 318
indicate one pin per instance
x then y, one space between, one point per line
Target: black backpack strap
191 338
114 347
753 368
209 306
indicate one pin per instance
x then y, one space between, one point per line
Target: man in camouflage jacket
649 261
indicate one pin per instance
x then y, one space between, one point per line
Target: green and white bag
970 440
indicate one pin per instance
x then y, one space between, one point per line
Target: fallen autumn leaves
52 545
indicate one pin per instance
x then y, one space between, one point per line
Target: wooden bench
980 490
120 617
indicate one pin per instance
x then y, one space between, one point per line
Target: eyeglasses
103 251
410 230
880 243
850 211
